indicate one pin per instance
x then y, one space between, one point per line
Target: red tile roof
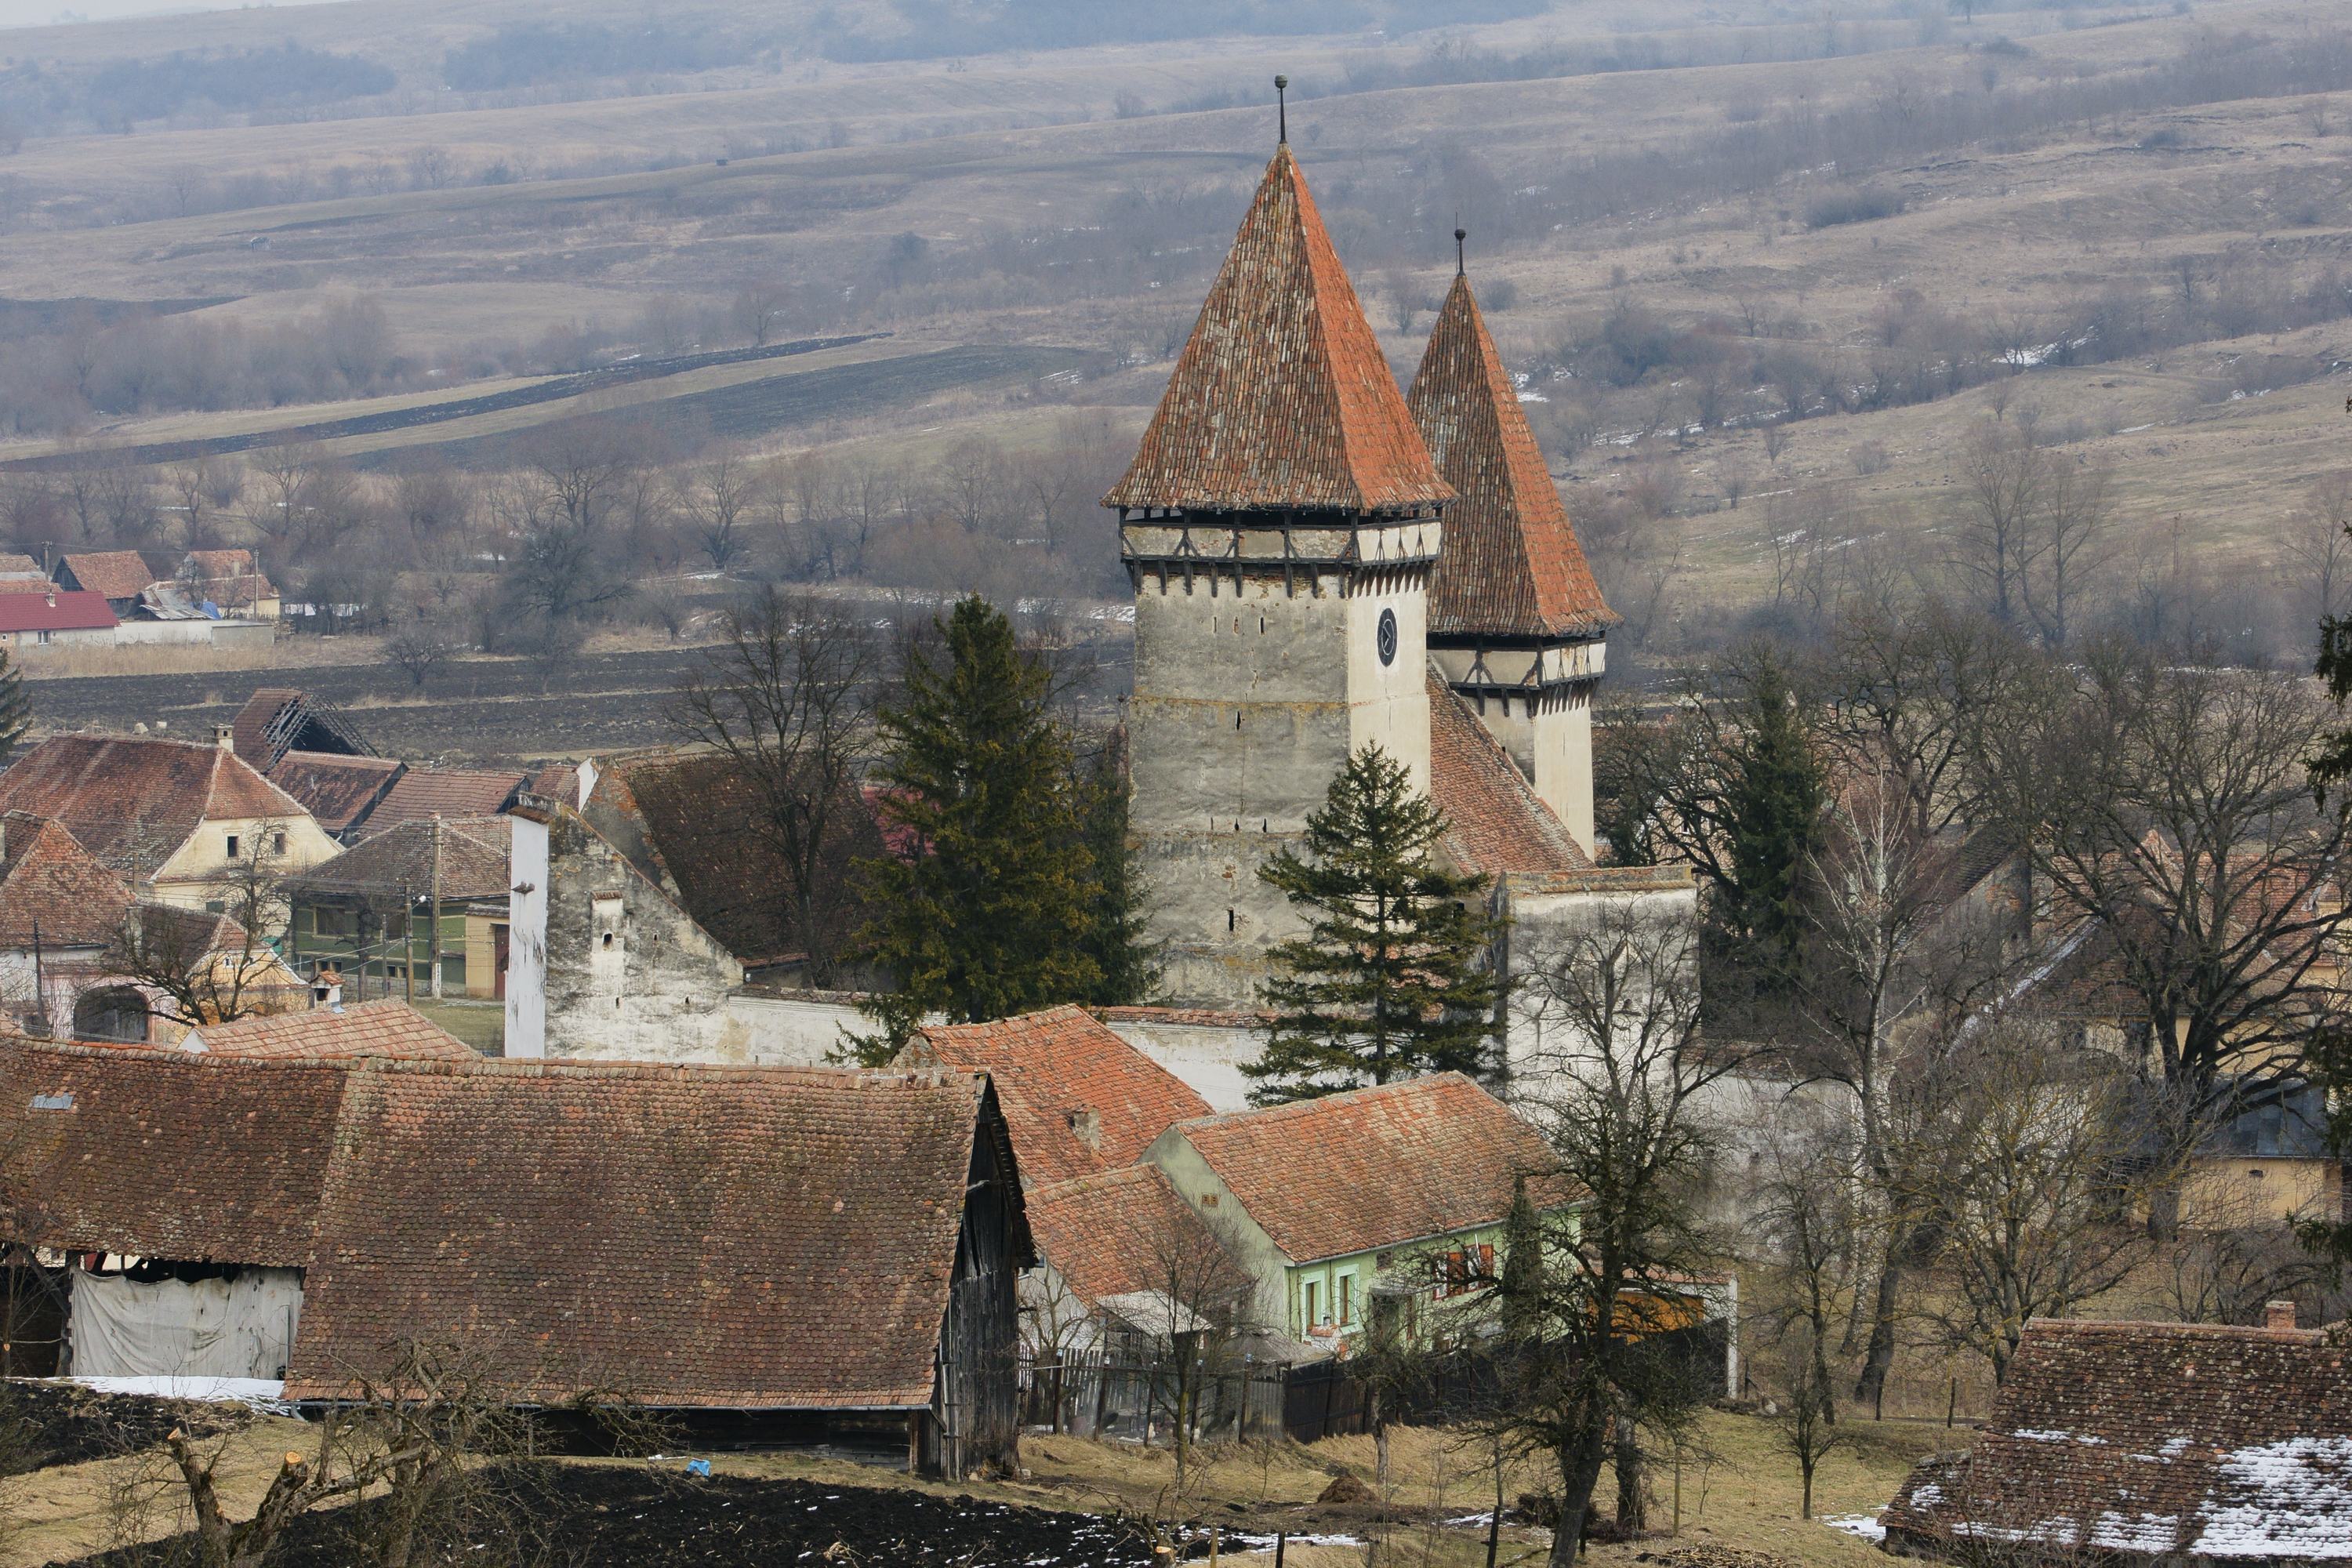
720 1237
48 879
1510 564
420 792
167 1154
2167 1441
1496 823
337 790
387 1029
1117 1232
117 573
13 564
133 801
60 611
1053 1070
1374 1167
1282 399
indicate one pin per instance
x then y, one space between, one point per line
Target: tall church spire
1282 400
1511 565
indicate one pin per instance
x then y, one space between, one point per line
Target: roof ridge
2253 1333
1343 1097
858 1078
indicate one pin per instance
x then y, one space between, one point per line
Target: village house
118 576
1404 1186
60 913
2147 1444
58 618
1079 1099
367 914
231 581
811 1255
182 822
1126 1269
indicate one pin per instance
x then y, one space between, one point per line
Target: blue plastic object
697 1467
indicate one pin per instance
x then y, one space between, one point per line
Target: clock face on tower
1387 637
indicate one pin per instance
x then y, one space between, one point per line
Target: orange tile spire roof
1510 565
1282 400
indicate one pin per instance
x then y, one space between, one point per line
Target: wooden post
433 952
1281 1540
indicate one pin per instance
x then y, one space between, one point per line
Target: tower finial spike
1460 234
1282 109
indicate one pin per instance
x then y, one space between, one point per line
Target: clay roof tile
1510 564
1282 399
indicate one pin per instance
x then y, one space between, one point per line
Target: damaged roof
132 801
277 720
1374 1167
2167 1441
1077 1098
1495 821
1282 399
1510 564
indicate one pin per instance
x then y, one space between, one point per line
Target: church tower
1516 622
1279 526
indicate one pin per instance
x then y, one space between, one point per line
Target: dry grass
156 658
72 1510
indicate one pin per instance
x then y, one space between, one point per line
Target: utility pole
407 947
434 951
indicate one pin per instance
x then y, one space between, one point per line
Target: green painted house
1319 1199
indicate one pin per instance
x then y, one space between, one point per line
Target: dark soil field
475 710
46 1424
482 711
613 1516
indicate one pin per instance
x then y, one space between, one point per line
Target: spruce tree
1774 808
15 708
986 911
1128 959
1387 981
1523 1285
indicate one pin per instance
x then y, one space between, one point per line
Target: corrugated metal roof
1282 399
1510 565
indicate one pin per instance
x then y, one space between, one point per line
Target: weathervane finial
1282 109
1460 234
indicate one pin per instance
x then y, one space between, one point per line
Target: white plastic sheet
214 1329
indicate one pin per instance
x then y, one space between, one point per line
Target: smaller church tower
1516 622
1278 525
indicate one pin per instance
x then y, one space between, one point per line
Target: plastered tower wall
1254 683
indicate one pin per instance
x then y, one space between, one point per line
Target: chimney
53 598
2278 1315
1087 1126
225 737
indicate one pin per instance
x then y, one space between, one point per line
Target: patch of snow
2292 1499
2150 1532
1927 1496
2033 1435
1864 1525
261 1392
1241 1543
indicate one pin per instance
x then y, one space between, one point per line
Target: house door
499 961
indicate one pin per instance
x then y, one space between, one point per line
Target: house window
232 846
43 637
2255 1175
1208 1200
1345 1298
277 844
1311 1294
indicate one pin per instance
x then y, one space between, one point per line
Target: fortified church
1320 563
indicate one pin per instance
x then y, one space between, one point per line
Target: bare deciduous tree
788 697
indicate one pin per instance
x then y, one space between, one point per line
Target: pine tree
15 708
1387 981
1774 810
1129 961
988 914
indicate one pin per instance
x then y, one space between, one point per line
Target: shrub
1853 207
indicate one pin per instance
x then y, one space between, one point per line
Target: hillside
1759 301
